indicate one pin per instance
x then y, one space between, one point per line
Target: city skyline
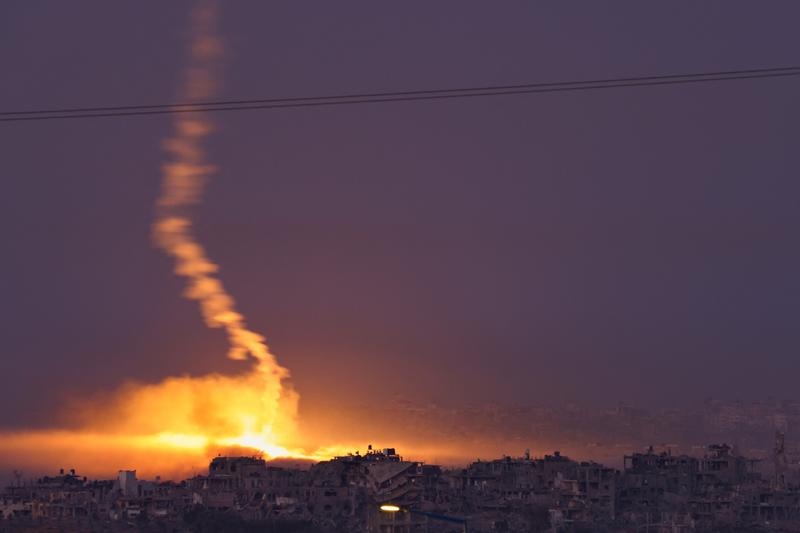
381 491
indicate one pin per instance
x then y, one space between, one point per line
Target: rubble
379 491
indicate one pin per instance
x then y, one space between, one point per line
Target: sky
634 245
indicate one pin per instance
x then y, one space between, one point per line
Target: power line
404 93
396 96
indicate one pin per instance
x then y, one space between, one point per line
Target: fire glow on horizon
257 409
185 420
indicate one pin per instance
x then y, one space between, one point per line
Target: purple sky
634 244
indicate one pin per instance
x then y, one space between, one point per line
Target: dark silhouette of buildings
654 491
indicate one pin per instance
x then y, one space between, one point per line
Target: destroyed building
380 491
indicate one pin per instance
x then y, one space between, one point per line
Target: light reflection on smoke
257 409
183 420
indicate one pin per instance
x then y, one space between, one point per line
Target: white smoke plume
196 416
184 177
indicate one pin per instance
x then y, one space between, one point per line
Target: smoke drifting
175 425
184 177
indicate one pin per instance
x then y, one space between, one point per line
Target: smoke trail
184 177
197 416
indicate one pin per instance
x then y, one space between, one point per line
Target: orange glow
201 412
172 429
95 453
189 416
390 508
257 409
175 426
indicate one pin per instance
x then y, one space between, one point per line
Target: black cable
399 96
400 93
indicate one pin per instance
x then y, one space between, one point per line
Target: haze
634 244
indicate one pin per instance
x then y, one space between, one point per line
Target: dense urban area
715 487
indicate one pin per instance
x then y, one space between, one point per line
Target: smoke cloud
185 417
184 178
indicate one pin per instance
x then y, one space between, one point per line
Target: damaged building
380 491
